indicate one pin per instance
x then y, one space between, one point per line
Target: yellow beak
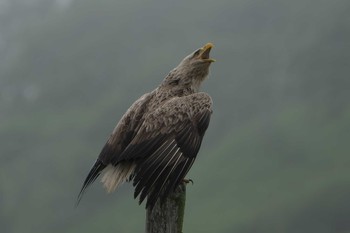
204 54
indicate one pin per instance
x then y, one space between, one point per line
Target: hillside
275 157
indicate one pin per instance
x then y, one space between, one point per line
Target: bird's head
193 69
199 58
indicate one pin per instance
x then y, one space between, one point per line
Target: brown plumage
157 140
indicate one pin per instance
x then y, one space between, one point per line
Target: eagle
158 138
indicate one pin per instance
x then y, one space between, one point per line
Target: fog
274 159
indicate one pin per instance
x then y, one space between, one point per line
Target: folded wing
166 146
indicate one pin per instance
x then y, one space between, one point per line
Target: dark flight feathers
158 138
164 160
91 177
163 148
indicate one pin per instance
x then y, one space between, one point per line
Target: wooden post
168 218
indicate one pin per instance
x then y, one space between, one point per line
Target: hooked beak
205 51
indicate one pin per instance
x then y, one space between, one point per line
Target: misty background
274 159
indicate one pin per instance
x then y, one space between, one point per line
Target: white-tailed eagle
157 140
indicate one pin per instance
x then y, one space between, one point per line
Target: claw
186 181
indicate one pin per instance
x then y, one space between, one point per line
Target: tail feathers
117 175
92 176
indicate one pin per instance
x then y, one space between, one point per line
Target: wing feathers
203 122
164 168
149 167
163 183
156 178
179 174
162 142
145 181
92 176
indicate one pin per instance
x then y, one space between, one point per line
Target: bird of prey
157 140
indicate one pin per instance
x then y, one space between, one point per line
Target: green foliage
275 157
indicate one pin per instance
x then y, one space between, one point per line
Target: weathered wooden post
168 218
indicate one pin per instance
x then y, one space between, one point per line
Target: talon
186 181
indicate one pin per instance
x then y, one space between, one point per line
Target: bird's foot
186 181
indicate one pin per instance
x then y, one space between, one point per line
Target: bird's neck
168 92
178 83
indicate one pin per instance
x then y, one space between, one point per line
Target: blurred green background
275 157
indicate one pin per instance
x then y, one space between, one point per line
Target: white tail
116 175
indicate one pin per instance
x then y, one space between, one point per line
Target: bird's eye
195 54
175 82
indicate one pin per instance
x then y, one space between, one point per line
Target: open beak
205 51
